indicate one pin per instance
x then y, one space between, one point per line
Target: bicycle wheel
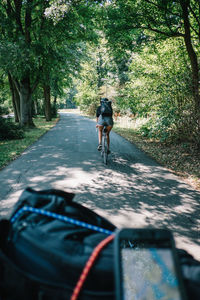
102 149
105 153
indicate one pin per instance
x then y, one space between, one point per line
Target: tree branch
160 7
9 8
149 27
168 34
194 14
196 18
28 21
18 7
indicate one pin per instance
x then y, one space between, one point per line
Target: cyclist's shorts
105 121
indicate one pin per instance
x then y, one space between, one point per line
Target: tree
96 78
5 98
159 19
19 52
30 42
87 83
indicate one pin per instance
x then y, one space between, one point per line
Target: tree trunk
25 103
193 59
15 98
47 102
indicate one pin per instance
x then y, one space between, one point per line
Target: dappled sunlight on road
132 191
138 199
126 209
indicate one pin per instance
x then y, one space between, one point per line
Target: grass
11 149
182 159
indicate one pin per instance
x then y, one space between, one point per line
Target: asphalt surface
131 191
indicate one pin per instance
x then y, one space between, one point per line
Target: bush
173 127
92 109
160 127
9 130
3 110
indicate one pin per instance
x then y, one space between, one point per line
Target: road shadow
131 191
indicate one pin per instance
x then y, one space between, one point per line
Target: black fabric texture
42 258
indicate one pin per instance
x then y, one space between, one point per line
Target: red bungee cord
89 265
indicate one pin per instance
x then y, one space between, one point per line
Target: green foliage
3 110
9 130
5 99
44 42
159 89
75 44
16 58
87 98
89 82
161 127
156 85
130 22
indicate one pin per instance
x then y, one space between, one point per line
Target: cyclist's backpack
106 108
45 245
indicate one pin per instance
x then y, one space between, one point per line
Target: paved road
133 190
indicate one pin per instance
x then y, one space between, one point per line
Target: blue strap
59 217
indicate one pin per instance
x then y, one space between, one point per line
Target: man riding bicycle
104 115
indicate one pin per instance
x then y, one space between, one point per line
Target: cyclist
104 117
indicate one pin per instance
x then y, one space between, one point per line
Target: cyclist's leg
100 125
100 136
109 128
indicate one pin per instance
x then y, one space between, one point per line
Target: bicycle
104 150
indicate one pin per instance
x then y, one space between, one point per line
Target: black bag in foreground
46 243
42 256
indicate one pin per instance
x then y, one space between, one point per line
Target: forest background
142 54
